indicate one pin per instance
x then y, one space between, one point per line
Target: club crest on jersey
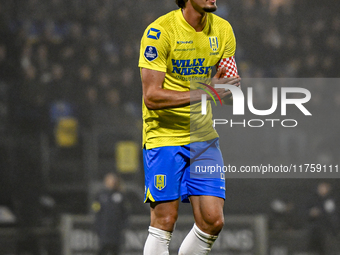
213 43
160 181
153 33
150 53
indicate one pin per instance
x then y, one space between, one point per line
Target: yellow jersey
172 46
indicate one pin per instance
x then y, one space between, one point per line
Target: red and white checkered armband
230 65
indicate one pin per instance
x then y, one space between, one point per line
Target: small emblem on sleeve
160 181
150 53
153 33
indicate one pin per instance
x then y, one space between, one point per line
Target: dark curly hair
181 3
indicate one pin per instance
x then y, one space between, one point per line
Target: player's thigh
206 189
197 180
208 213
164 214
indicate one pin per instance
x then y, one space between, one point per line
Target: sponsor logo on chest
190 66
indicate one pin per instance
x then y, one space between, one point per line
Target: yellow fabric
172 46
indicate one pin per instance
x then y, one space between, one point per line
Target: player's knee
213 225
217 226
167 222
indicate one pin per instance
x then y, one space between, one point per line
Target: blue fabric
172 171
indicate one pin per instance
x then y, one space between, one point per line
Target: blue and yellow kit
172 46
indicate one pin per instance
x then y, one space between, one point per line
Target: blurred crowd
290 38
82 55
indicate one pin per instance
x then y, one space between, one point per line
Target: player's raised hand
218 79
220 73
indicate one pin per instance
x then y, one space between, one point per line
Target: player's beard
210 9
211 6
207 7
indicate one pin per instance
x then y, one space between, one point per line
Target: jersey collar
187 26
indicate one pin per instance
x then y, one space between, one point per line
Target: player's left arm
228 60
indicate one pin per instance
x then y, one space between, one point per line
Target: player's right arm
156 97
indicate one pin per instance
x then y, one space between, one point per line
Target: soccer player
179 47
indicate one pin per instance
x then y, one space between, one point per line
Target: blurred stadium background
70 111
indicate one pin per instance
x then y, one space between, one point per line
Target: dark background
79 59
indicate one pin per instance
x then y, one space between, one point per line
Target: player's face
205 5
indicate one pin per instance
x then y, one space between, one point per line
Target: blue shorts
181 171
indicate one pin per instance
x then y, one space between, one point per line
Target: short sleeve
228 59
230 46
154 48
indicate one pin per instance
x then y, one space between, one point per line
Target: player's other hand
218 79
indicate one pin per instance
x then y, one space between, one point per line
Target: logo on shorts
213 43
160 181
151 53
